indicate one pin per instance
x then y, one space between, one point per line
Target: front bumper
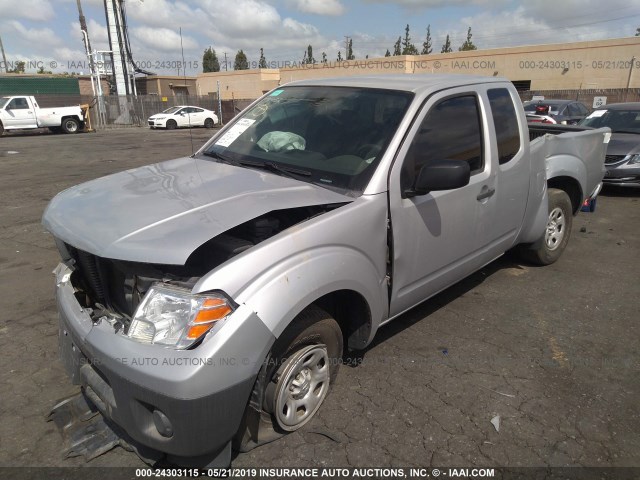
186 403
154 123
623 175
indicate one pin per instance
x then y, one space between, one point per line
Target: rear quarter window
505 121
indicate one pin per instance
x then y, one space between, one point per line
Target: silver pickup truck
207 301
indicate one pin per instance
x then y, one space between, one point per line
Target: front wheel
70 125
557 232
307 360
171 124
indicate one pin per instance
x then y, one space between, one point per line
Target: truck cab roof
416 83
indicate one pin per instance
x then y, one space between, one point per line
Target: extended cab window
19 104
452 130
506 124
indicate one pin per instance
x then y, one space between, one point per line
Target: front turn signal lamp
174 317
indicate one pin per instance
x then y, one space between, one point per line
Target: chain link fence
114 111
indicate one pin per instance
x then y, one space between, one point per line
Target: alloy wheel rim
555 229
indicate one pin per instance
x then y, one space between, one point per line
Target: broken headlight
174 317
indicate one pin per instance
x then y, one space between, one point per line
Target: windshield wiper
291 172
220 157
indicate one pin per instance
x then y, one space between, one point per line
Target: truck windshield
330 136
617 120
3 101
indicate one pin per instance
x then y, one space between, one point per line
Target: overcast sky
48 31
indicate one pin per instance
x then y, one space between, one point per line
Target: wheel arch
571 187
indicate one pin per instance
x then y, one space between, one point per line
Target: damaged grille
88 268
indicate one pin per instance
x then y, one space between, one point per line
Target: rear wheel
208 123
557 232
171 125
307 358
70 125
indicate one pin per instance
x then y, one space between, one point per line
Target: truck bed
537 130
567 148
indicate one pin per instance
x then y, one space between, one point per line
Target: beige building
86 88
594 65
166 85
238 84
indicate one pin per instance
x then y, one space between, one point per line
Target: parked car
623 152
326 209
568 112
183 116
23 113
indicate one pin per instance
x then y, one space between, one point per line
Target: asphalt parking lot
552 351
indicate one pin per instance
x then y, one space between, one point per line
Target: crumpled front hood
161 213
623 144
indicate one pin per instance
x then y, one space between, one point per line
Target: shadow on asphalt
420 312
615 191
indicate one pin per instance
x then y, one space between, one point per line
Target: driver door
441 237
20 114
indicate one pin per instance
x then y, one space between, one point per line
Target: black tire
171 125
557 233
70 125
209 123
313 331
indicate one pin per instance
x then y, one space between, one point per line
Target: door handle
485 193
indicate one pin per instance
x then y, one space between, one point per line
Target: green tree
241 62
388 53
308 56
446 48
339 56
210 61
19 68
637 32
408 48
42 71
397 50
426 45
468 43
263 61
350 55
324 58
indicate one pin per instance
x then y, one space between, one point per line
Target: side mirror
441 175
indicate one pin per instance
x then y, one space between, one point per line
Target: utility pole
346 47
87 45
225 62
83 27
4 58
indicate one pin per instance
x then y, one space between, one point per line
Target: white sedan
183 116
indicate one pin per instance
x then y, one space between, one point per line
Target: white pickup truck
23 113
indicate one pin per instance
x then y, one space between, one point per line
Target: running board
85 432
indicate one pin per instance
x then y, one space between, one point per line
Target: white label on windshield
234 132
597 113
